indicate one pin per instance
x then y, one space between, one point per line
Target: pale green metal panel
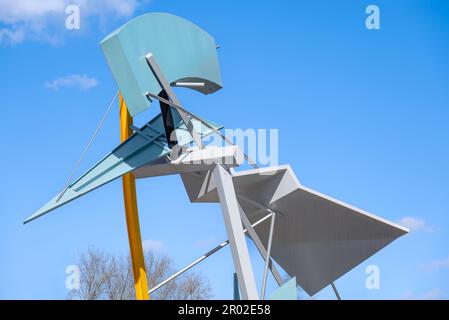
132 154
286 292
184 52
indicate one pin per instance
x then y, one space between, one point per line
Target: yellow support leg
132 215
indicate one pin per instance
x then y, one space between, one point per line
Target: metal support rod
267 260
260 247
203 257
259 205
132 215
189 266
335 291
234 229
94 135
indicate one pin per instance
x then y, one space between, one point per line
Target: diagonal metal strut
154 66
204 257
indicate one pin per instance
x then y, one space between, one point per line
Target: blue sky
362 116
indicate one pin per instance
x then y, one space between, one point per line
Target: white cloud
13 11
433 294
435 265
82 82
45 19
154 245
12 36
416 224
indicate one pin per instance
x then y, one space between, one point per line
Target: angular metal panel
146 146
316 238
287 291
184 52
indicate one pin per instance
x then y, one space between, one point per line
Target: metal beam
267 260
234 228
132 215
154 66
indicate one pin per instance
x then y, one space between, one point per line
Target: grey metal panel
316 239
256 180
236 235
200 187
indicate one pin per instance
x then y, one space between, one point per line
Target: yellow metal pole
132 214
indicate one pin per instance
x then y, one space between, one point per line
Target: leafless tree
105 276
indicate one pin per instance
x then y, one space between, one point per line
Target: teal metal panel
286 292
184 52
137 151
236 288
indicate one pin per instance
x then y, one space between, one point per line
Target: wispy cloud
11 36
416 224
82 82
435 265
154 245
44 20
434 294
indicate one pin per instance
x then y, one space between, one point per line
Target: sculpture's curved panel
184 52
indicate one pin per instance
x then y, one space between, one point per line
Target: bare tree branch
105 276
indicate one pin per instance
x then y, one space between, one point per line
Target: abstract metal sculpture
315 239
